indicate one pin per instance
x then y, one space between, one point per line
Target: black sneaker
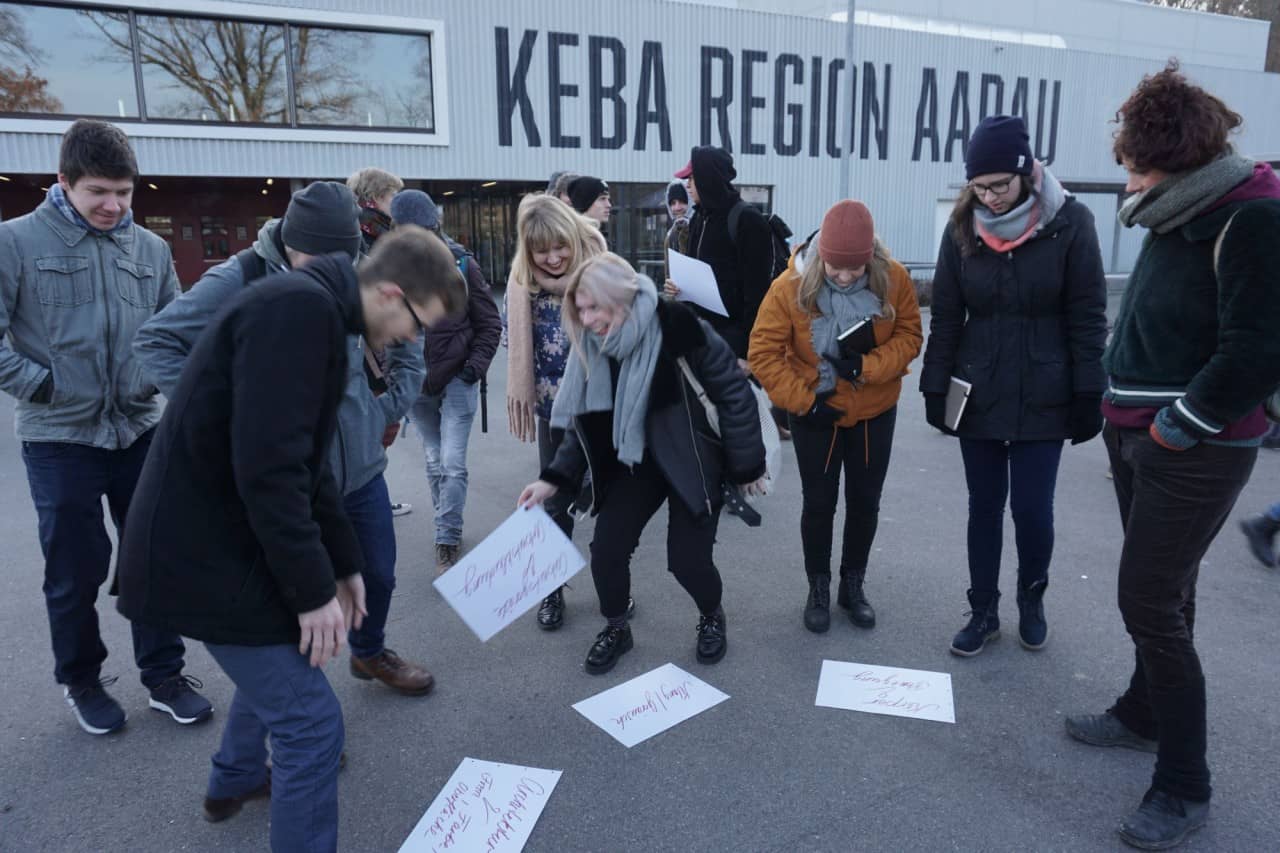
611 644
95 710
176 696
712 642
1107 730
1162 821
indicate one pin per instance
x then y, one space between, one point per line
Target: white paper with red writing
515 567
649 704
886 690
485 806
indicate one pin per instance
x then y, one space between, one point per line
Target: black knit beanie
998 144
322 218
584 191
677 192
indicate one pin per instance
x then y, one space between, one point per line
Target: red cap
685 173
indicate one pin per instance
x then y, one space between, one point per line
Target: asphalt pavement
765 770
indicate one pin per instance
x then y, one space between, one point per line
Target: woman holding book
1019 311
831 344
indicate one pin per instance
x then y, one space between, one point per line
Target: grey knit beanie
414 207
322 218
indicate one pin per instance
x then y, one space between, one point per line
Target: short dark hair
420 263
1170 124
97 149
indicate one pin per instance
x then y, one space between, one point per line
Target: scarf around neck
588 383
59 200
1006 231
1182 197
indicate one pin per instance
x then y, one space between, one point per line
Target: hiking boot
95 710
394 671
177 697
1107 730
1260 532
551 611
850 597
611 644
401 508
218 809
817 609
984 624
712 642
1163 821
1033 631
446 557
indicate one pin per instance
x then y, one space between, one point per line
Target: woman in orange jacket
842 398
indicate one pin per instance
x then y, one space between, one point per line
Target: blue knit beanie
414 207
998 144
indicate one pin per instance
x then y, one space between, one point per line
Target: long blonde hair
814 276
610 281
543 221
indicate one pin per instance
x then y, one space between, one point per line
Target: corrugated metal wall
902 191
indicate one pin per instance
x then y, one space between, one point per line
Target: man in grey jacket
77 279
321 218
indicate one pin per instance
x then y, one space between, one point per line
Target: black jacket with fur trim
690 455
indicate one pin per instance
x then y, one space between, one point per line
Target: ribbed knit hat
414 207
584 191
322 218
998 144
848 235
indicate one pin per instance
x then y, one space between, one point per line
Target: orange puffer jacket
783 359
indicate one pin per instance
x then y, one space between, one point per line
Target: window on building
66 62
349 78
213 234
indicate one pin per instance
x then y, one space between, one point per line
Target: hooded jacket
469 338
742 267
784 360
357 455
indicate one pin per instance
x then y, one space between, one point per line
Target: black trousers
1172 505
862 451
631 501
557 506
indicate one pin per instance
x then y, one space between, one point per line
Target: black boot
851 598
611 643
551 612
1260 532
817 610
984 624
1033 631
712 642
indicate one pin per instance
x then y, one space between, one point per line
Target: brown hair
420 263
371 183
96 149
1172 125
815 274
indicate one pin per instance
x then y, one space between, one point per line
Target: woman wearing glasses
1019 311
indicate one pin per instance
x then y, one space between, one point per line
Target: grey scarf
1045 202
587 385
1180 198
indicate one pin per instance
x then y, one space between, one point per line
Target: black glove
1085 421
468 374
935 412
44 394
848 369
822 415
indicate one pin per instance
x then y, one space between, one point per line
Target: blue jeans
279 694
369 508
1026 474
444 422
68 482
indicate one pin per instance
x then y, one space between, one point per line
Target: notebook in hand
957 399
859 338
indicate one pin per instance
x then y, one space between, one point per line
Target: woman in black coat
1019 311
631 416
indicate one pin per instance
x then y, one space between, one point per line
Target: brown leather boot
395 672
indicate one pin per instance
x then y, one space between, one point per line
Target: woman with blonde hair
630 414
552 242
842 397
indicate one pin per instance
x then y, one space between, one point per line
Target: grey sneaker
1162 821
95 710
1106 730
446 556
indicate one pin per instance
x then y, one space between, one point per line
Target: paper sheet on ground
649 704
886 690
515 567
697 282
484 806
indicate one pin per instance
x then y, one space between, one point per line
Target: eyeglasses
422 327
996 188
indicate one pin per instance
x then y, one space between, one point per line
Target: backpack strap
252 265
735 214
713 415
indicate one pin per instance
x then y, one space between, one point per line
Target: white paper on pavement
886 690
484 806
515 567
649 704
697 282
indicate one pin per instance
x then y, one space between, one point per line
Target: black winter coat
677 434
1026 327
743 267
470 338
237 524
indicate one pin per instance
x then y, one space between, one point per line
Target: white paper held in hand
486 806
515 567
649 704
697 282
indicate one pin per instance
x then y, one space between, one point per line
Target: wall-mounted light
449 193
490 184
264 192
153 186
3 178
270 181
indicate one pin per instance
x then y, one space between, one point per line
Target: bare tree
1262 10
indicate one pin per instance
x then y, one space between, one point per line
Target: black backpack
779 233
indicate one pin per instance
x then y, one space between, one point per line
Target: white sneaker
401 508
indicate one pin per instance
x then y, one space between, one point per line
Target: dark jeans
279 694
68 482
632 500
862 451
558 505
369 508
1025 473
1172 505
